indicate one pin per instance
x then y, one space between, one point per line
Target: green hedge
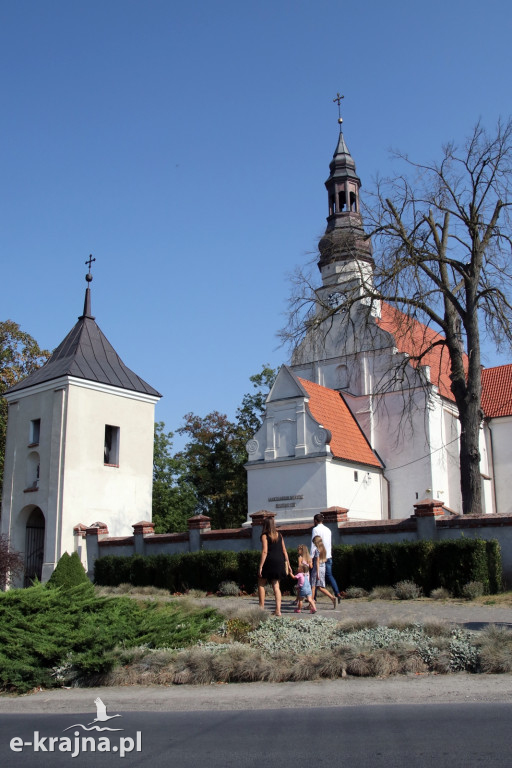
429 564
449 564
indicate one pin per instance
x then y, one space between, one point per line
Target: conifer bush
68 573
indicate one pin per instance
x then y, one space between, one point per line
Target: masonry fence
431 521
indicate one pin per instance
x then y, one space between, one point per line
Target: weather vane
88 263
338 98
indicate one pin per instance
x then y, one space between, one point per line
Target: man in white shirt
325 534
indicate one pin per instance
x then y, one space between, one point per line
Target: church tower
79 447
345 253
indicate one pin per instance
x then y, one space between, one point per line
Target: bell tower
345 251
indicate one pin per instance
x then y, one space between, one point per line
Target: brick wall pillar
93 535
196 525
332 518
144 528
257 519
79 543
426 512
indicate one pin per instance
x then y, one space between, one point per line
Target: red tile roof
497 391
331 411
411 337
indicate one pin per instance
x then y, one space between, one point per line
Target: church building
79 448
354 422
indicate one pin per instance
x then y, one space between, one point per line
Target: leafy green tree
174 498
20 354
250 413
215 455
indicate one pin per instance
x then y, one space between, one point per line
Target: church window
341 197
35 430
111 447
353 202
356 477
332 205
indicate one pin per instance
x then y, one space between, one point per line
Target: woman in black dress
274 563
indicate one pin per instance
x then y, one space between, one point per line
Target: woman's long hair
319 544
269 529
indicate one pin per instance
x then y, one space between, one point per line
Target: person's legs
330 578
261 592
277 594
325 591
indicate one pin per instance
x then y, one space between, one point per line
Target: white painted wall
75 486
500 430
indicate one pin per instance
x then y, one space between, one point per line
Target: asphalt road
391 736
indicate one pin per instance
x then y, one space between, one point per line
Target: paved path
468 614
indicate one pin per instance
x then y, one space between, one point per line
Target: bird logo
101 717
101 713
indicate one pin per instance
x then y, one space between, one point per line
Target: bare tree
11 563
442 255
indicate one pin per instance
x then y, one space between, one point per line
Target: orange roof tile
497 391
411 337
331 411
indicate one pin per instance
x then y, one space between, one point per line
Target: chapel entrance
34 547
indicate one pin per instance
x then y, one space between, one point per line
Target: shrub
352 593
449 564
382 593
50 634
11 563
228 589
495 646
68 573
238 629
472 589
407 590
440 594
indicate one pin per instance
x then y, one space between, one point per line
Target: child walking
318 574
304 588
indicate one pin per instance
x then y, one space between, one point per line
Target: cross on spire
89 262
338 98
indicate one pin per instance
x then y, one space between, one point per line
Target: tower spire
344 237
87 300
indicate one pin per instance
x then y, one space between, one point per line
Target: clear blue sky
185 145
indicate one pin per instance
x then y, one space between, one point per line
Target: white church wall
355 487
22 492
95 491
500 430
400 438
294 490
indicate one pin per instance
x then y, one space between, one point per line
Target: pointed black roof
86 353
342 164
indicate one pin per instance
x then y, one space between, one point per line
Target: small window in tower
342 201
111 448
332 205
35 430
356 477
353 202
